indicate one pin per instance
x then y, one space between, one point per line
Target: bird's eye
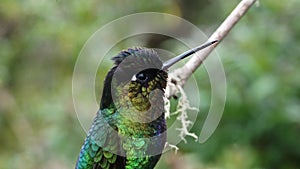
142 77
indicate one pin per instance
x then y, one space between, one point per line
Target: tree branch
180 75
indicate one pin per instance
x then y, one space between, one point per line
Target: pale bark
180 75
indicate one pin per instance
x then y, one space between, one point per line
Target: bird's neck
132 113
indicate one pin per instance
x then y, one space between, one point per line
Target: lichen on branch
178 77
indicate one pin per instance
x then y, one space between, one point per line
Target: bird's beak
169 63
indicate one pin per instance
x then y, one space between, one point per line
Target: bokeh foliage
39 45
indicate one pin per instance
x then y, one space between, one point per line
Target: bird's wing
101 146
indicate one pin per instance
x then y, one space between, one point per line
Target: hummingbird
129 130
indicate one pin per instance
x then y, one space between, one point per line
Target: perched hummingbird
129 131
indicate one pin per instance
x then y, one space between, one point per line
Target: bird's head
138 80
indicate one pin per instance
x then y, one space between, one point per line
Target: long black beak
169 63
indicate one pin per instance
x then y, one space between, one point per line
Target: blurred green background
40 42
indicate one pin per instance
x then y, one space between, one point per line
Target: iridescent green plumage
129 129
